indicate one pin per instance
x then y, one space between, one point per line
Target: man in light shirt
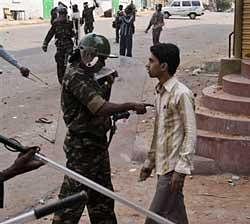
174 139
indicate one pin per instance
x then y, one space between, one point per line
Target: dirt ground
209 199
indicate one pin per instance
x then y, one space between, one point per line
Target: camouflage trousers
92 162
61 58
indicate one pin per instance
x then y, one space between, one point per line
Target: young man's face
153 66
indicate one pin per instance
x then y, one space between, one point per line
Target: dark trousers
117 34
156 35
167 204
93 163
61 58
126 44
88 28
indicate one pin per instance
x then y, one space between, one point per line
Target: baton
32 74
87 182
38 213
6 56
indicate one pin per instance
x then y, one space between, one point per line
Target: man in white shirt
174 139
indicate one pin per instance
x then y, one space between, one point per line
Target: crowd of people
87 111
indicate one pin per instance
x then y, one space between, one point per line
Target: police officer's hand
44 47
140 108
26 162
25 71
146 31
177 182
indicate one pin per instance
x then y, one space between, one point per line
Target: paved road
22 101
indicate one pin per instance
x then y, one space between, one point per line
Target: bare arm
24 163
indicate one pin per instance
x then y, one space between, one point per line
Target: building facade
32 9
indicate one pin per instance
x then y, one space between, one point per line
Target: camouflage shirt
63 32
81 98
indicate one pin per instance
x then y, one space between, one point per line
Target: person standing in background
119 14
127 30
157 21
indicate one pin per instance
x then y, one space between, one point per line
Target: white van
191 8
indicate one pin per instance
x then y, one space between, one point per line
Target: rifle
16 146
38 213
7 57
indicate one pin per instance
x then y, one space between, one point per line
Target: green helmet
98 43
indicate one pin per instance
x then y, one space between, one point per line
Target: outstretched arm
6 56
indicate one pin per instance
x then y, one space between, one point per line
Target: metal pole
238 15
102 190
89 183
27 217
38 213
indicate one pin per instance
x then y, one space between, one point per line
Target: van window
186 3
176 4
196 3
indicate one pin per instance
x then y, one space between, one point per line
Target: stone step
237 85
219 122
205 166
245 68
219 100
231 153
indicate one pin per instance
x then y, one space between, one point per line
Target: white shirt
174 139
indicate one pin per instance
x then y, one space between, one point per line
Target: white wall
104 5
33 8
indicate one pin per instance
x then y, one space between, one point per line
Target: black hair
167 53
75 8
120 7
128 9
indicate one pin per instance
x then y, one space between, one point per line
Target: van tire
166 15
192 15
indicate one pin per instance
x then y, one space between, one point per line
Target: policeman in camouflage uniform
87 110
157 21
88 17
63 31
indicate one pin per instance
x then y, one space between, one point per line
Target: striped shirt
174 139
127 27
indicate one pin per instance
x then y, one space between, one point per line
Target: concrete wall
33 8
